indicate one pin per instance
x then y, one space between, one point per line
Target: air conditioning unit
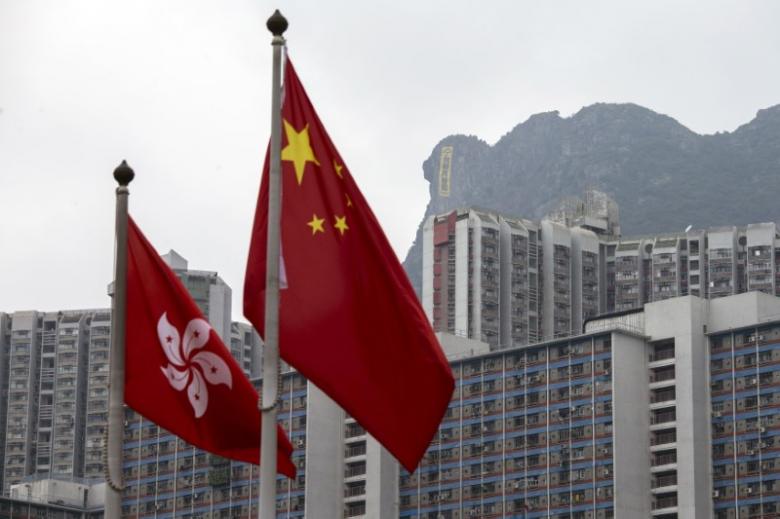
715 494
751 452
762 429
717 414
749 490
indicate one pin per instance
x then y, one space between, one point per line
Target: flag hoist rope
277 24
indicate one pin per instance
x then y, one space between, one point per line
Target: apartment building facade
352 475
652 412
510 281
54 380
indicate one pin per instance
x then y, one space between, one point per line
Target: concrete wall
552 234
742 310
381 481
457 347
683 320
220 307
631 422
582 240
324 455
53 491
505 283
461 276
5 320
427 268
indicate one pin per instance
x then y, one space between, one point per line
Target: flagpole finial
277 23
124 174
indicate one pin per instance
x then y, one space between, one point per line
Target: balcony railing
660 418
665 502
664 459
665 481
661 355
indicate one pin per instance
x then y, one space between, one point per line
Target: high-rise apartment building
22 401
663 412
97 393
212 295
54 380
246 347
509 281
342 470
5 339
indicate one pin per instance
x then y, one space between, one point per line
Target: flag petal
195 336
214 368
198 393
169 340
178 379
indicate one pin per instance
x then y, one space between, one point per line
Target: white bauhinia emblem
187 369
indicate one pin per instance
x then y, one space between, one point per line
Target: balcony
664 503
355 491
663 438
663 417
663 459
665 481
660 355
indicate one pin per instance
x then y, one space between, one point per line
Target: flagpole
277 24
116 387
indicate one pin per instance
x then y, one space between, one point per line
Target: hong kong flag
178 373
349 319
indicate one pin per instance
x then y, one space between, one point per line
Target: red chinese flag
349 319
178 373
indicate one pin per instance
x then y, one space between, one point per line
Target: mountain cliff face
664 176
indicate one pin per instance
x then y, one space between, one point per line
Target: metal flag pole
277 24
116 386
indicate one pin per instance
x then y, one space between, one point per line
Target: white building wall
427 268
324 495
220 303
461 276
631 425
552 234
381 481
582 240
475 224
683 319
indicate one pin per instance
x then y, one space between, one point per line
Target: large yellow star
316 224
298 149
341 224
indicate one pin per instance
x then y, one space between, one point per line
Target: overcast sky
181 89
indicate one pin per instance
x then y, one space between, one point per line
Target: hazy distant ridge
663 175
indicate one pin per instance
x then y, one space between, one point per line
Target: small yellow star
338 169
341 224
298 149
316 224
349 200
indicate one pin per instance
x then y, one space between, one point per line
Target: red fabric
160 310
350 321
